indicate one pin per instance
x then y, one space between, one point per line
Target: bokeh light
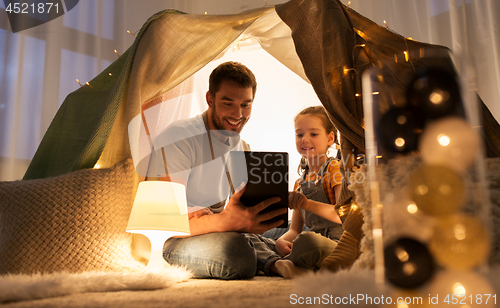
408 263
477 290
399 130
450 142
435 93
459 242
436 190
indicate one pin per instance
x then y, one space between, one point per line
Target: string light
385 23
133 34
78 82
407 56
348 4
359 46
110 74
206 13
412 208
88 84
117 53
354 206
399 142
346 70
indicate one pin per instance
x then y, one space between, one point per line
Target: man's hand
297 201
238 217
283 247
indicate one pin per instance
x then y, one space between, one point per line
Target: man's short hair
232 71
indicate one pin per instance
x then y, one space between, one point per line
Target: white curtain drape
39 66
467 27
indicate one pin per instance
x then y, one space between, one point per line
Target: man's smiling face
231 107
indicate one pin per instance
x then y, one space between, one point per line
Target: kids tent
322 41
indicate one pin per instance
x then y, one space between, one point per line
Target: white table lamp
159 212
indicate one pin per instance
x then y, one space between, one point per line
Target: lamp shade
160 206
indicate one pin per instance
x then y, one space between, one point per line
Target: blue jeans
222 255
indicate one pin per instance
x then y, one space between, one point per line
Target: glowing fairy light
402 254
422 189
460 232
401 120
458 288
443 140
78 82
117 53
346 70
412 208
400 142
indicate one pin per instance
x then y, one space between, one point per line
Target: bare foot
288 270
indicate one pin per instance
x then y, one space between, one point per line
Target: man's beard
219 124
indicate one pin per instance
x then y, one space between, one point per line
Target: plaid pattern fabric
331 178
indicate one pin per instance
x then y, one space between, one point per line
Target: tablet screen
266 175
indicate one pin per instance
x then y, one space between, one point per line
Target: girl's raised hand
296 200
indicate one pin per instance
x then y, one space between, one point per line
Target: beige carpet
257 292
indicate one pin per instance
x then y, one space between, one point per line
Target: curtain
468 27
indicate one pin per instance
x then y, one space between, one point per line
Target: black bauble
399 129
408 263
435 93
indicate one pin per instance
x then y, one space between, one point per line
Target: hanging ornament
408 263
451 142
399 130
459 242
436 190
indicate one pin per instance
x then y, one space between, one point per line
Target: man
217 247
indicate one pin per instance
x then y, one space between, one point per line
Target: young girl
313 199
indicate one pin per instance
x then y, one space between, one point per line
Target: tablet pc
266 175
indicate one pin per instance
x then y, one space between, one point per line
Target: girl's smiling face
311 138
